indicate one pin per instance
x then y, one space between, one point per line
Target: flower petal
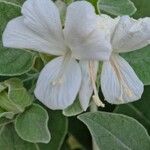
39 28
119 82
108 24
131 34
86 88
59 83
82 34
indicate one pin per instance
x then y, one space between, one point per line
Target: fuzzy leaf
58 125
115 131
117 7
14 98
32 125
9 140
138 110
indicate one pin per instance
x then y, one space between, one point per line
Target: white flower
119 82
40 29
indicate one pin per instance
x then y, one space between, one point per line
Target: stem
94 108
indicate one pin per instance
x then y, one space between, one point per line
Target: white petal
108 24
131 34
39 28
86 89
82 34
119 82
59 83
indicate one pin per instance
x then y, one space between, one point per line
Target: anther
97 101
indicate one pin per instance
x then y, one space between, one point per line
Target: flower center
95 97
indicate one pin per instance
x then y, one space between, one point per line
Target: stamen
97 101
124 86
59 79
95 97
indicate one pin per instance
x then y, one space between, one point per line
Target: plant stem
94 108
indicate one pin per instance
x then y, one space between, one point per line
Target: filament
124 87
95 97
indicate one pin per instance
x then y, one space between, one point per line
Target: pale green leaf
14 98
7 104
32 125
116 132
4 113
139 110
58 125
117 7
8 115
9 140
73 110
15 62
18 94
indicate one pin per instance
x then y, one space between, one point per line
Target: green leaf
140 62
116 132
15 98
143 7
8 115
4 122
7 104
138 110
16 3
58 126
13 62
73 110
7 12
18 94
95 3
2 87
117 7
46 58
32 125
9 140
